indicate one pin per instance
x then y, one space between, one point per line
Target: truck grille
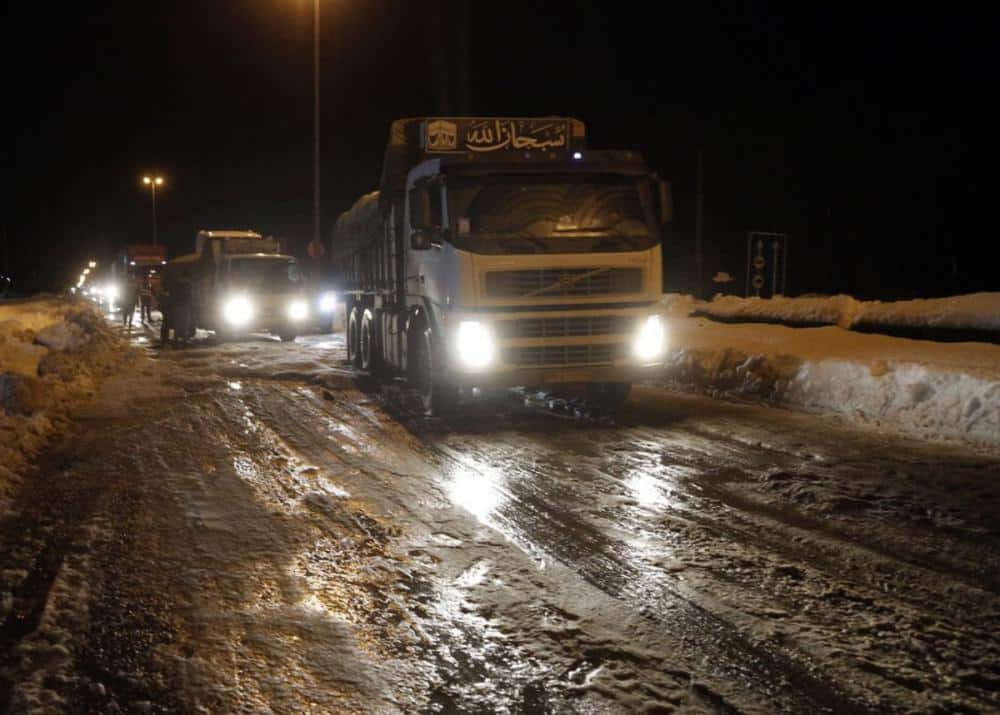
549 355
563 282
563 327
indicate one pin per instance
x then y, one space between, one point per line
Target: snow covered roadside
977 311
932 390
53 354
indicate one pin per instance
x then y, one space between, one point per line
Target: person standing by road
145 299
129 297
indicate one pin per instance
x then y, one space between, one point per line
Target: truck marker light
577 155
475 344
298 310
651 340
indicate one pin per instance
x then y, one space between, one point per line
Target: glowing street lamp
152 182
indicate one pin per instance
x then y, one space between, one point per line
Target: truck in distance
236 282
501 252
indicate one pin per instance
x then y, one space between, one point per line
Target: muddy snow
54 353
234 527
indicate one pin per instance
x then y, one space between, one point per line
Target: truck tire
608 395
165 331
288 337
353 338
224 334
368 346
437 399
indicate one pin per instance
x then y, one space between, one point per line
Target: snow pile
53 352
932 390
833 310
978 311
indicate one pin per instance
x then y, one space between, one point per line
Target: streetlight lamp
152 183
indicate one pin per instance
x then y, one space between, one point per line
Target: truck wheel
608 395
287 337
436 399
368 348
353 338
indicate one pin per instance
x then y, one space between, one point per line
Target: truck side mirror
420 207
666 202
420 239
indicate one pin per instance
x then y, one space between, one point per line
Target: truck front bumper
556 348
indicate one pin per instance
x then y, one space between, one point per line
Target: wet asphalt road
249 532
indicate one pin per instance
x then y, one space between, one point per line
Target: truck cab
237 282
259 292
513 257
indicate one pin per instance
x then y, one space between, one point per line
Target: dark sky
871 139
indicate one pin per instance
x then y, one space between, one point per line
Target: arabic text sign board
490 136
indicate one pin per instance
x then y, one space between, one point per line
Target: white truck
236 282
500 252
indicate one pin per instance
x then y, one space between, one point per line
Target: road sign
767 263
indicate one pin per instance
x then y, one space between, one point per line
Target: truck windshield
562 213
263 275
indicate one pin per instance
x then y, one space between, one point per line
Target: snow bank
53 352
978 311
931 390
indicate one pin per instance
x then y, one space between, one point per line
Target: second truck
236 282
501 252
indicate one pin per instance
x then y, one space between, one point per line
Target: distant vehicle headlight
651 340
111 291
328 302
298 310
475 344
237 310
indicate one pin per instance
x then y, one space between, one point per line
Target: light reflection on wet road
326 550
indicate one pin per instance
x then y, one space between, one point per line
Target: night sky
871 139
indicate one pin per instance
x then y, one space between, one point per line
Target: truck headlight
651 340
475 344
111 291
237 310
298 310
327 302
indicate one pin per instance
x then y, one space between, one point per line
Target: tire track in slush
735 667
751 537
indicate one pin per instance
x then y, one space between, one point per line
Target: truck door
426 266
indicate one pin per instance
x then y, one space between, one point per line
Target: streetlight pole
316 227
152 183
